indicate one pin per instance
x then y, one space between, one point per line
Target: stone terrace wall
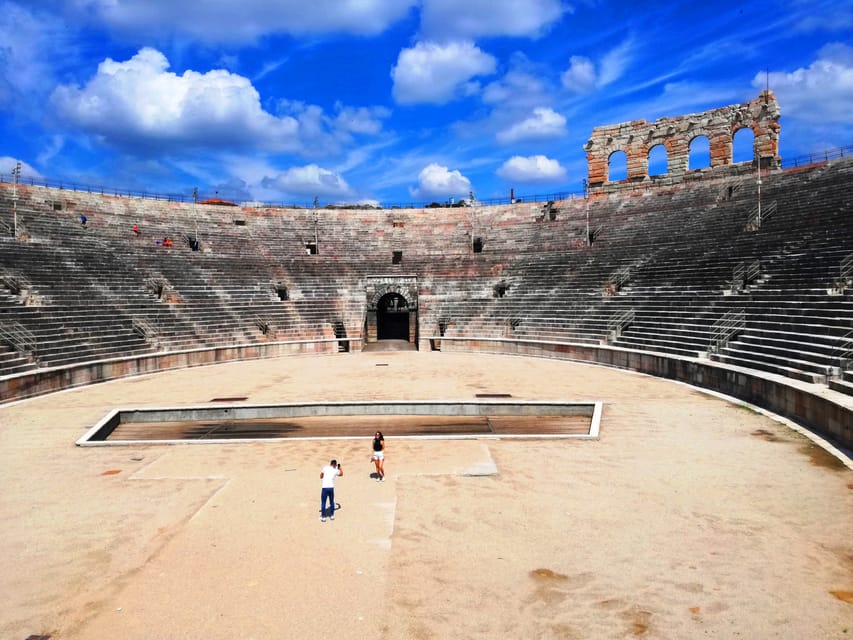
637 137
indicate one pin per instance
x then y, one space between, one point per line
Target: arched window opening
617 166
658 164
700 153
743 145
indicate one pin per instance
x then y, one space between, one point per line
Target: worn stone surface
637 137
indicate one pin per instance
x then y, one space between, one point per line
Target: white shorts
378 455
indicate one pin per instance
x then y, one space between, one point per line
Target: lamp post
16 173
758 183
195 213
316 234
586 208
196 246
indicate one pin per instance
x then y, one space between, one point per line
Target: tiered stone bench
267 277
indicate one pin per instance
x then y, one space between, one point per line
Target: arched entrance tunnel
392 318
392 310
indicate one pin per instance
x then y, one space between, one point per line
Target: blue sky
392 101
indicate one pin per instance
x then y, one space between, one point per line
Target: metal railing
725 328
18 336
143 328
814 158
844 351
753 271
759 215
619 277
263 324
738 276
617 323
190 197
743 274
845 269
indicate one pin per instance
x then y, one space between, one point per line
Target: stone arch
658 160
403 288
699 154
743 145
382 290
637 137
617 163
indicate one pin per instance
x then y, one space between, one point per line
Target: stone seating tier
678 247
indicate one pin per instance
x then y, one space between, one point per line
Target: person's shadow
325 512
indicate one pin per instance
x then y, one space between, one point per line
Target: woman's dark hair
381 437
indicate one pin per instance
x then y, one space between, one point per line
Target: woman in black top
379 455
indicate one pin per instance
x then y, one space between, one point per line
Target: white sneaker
322 519
331 517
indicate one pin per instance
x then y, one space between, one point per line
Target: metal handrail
753 221
743 274
620 277
753 270
263 324
17 335
143 328
804 160
844 351
846 267
738 276
621 320
723 329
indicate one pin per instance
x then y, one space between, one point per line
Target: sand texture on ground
690 517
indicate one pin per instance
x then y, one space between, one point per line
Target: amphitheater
706 313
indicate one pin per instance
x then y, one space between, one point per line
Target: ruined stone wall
638 137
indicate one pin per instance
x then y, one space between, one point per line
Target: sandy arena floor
690 517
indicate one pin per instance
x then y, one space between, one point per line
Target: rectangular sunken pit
347 420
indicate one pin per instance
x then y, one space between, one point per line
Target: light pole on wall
586 207
758 183
316 234
16 173
195 211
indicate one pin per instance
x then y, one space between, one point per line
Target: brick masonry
638 137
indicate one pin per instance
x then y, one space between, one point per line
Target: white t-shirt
329 475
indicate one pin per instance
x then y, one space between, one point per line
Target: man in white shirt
328 475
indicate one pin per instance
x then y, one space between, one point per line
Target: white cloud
838 18
7 165
138 104
531 169
822 92
30 45
542 124
478 18
309 180
247 20
583 77
522 86
359 120
438 182
580 76
435 73
614 63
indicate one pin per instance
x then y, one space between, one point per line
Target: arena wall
811 409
